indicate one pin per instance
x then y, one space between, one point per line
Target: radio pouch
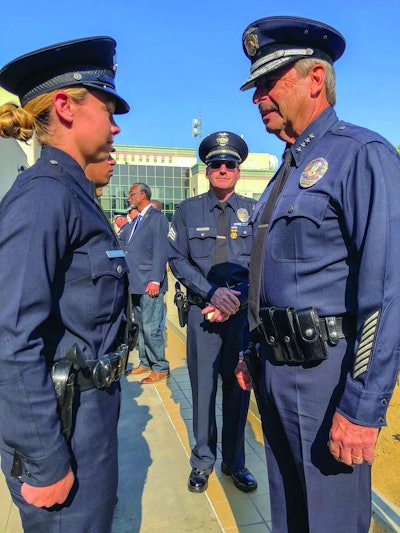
314 347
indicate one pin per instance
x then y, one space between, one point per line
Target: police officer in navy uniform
63 290
326 256
210 242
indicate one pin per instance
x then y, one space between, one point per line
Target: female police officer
62 287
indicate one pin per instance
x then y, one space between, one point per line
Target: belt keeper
330 322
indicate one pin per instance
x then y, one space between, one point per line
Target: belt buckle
331 328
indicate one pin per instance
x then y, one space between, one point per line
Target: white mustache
267 108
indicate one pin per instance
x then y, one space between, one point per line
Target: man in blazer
146 248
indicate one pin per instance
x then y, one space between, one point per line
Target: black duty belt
298 336
101 373
74 373
334 328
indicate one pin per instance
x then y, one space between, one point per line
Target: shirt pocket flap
202 233
244 231
102 265
307 205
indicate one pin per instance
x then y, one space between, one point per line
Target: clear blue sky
181 58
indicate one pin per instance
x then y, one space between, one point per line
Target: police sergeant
210 242
63 292
326 263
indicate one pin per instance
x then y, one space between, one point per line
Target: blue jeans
149 314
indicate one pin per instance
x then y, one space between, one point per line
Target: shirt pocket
242 239
106 291
297 231
202 241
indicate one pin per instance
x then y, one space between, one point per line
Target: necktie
221 252
136 223
257 252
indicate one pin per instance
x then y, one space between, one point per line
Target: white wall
12 158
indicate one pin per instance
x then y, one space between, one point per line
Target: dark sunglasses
231 165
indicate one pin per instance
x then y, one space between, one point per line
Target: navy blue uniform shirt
192 239
334 243
58 287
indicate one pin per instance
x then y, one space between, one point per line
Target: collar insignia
306 141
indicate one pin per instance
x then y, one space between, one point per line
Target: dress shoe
198 480
242 477
155 376
137 370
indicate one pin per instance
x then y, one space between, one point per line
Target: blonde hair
21 122
303 66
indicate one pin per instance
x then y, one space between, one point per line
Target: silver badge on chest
313 172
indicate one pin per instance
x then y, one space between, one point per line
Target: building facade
174 174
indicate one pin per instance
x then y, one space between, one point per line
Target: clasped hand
224 303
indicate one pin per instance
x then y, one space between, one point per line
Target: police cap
274 42
88 62
223 146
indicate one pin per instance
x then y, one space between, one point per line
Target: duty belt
298 336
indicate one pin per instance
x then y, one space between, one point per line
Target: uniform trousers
309 490
212 350
90 505
150 317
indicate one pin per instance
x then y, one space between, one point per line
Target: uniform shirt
192 241
59 285
334 243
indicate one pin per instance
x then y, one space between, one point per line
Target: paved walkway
155 438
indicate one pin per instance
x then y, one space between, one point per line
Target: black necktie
257 252
221 248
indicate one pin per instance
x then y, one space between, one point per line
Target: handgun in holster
63 374
254 366
181 302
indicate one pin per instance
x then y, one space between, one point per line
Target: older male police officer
63 289
210 243
324 270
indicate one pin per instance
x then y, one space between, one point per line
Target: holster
63 375
254 366
182 304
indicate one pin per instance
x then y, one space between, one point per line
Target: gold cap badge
250 41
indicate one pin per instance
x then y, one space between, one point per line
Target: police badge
242 214
250 41
313 172
222 139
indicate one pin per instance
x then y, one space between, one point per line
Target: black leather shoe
242 478
198 480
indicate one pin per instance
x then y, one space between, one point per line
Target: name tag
112 254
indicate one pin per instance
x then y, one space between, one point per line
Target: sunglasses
231 165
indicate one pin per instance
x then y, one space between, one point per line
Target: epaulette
358 133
